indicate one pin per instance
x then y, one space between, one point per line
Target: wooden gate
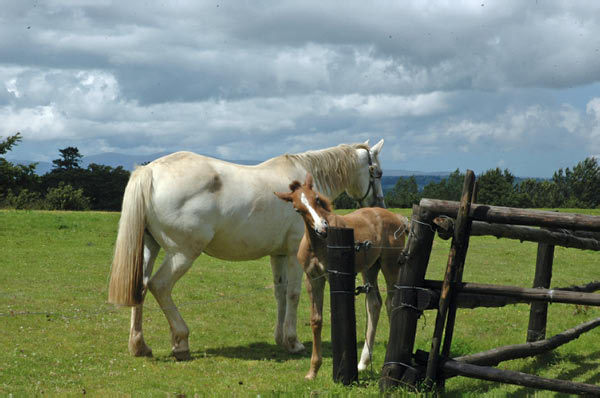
460 220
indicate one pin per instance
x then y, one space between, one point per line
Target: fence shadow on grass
584 364
260 351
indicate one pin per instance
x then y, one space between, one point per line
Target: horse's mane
331 167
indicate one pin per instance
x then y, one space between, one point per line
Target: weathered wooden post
453 276
405 306
340 257
538 314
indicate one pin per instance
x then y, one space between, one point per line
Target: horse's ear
377 147
366 143
295 185
286 196
308 181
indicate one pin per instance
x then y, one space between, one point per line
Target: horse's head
366 188
309 204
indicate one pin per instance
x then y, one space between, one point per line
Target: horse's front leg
137 345
294 286
279 269
315 286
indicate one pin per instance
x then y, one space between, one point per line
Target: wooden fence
460 220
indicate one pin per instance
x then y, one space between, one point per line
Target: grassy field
59 336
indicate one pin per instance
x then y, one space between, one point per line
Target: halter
373 175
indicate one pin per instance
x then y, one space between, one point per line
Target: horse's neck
323 167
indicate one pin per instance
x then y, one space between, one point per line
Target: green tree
580 187
66 170
65 197
496 188
15 178
104 185
9 142
404 194
448 189
70 159
343 201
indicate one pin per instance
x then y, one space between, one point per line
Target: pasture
59 336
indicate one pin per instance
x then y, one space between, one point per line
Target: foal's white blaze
320 223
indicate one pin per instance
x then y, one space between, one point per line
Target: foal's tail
404 229
126 279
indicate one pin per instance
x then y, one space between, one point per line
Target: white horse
188 204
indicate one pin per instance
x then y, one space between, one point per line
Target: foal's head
313 207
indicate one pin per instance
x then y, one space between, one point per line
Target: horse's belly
244 248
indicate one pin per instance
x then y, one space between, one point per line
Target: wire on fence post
340 259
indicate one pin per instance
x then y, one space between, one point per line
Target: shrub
65 197
25 200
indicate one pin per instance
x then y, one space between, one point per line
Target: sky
473 85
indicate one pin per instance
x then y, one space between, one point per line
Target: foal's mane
330 167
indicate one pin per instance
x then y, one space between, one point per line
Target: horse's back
218 207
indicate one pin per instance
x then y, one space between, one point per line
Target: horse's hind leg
137 345
373 303
161 286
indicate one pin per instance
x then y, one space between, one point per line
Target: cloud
252 80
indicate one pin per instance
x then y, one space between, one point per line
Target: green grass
59 336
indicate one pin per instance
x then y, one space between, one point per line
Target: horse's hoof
362 367
182 355
310 376
295 347
146 352
140 350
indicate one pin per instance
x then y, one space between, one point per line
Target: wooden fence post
405 306
453 276
538 314
340 257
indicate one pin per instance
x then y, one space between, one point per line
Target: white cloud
251 80
40 123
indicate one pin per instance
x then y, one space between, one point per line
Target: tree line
67 186
569 188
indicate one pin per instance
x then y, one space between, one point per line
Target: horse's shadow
259 351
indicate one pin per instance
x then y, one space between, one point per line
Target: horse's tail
126 279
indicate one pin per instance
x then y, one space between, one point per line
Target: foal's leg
137 345
373 301
287 278
161 286
315 286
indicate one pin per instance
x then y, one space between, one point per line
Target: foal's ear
295 185
308 181
287 196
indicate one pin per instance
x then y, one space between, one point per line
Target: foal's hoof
182 355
